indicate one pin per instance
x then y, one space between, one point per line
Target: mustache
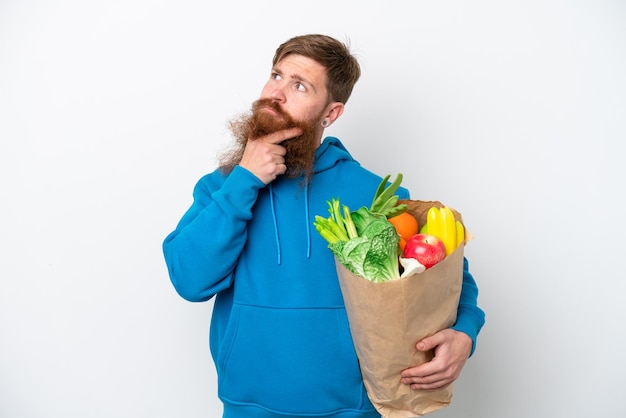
259 104
263 123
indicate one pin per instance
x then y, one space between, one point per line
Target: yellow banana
460 233
448 231
424 229
433 219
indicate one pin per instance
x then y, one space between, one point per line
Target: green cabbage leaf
363 241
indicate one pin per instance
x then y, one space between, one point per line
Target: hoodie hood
329 153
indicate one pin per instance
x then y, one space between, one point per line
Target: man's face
294 96
297 85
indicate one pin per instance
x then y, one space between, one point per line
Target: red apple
425 248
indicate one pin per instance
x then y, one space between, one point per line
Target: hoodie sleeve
470 318
202 251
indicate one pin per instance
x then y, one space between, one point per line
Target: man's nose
278 93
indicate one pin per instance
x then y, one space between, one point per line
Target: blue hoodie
279 333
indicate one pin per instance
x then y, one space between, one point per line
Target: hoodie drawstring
307 226
308 220
275 224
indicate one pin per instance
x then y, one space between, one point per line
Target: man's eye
275 76
300 87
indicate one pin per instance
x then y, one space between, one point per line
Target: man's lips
272 111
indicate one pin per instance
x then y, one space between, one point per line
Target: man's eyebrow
295 77
298 77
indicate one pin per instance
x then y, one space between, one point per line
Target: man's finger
425 344
280 136
433 341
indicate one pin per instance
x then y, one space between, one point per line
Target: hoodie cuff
470 320
240 191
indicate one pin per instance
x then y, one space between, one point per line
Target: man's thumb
426 344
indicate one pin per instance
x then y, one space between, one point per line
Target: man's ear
335 109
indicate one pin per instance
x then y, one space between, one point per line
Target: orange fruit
405 224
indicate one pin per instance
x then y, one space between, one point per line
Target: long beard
300 151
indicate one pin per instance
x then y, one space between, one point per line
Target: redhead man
279 333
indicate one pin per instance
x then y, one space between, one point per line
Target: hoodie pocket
290 361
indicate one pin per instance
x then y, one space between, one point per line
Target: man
279 332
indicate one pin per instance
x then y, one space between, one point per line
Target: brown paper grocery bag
387 319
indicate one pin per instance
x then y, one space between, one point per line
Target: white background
510 111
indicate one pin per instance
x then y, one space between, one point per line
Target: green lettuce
363 241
